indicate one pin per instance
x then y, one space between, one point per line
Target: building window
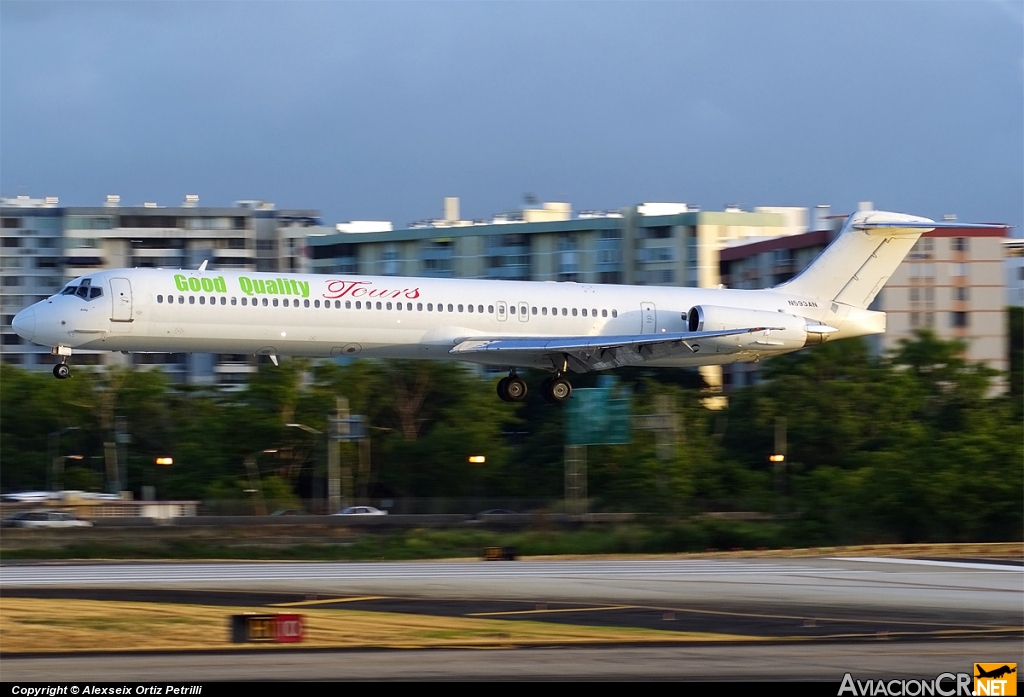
958 320
390 262
959 244
961 294
84 222
924 248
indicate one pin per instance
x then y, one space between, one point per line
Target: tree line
912 446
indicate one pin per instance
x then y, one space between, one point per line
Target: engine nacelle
777 331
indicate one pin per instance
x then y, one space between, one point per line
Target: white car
27 496
361 510
45 519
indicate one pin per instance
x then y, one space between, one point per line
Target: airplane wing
584 354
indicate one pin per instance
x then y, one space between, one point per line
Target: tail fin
870 247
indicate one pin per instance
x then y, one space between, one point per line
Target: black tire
502 390
557 390
515 388
545 391
61 371
560 390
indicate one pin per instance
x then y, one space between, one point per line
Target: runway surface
958 586
893 617
807 662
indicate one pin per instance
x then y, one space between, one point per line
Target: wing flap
588 353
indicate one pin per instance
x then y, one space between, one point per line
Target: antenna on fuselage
202 267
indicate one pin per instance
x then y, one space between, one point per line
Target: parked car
27 496
361 510
495 515
44 519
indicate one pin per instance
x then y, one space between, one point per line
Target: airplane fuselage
156 310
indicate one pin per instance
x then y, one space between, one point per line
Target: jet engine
778 331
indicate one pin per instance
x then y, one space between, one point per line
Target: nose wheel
61 371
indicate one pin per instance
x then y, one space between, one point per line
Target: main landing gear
555 389
512 388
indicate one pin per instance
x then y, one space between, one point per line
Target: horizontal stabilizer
918 227
865 254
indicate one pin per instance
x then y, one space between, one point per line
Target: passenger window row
370 305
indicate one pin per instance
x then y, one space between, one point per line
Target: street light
56 459
58 469
260 506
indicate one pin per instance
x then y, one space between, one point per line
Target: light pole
316 436
56 460
260 506
58 469
307 429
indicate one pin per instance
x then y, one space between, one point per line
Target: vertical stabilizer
861 259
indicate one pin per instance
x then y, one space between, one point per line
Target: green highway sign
596 416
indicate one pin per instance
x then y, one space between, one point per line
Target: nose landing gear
61 371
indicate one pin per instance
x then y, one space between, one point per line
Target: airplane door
121 296
649 318
502 311
524 312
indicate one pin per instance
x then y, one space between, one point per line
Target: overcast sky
374 110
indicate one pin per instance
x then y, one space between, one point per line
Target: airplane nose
24 324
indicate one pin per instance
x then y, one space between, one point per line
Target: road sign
596 416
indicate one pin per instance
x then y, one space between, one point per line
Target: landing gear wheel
515 388
557 390
502 393
61 371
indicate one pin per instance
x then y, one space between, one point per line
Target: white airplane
557 327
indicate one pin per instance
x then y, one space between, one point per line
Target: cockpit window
84 291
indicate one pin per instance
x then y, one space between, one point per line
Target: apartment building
668 244
44 245
952 282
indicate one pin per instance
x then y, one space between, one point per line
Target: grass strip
44 625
